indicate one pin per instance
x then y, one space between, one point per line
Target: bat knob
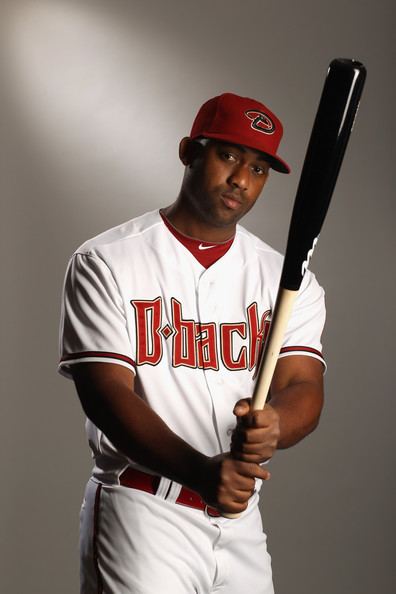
231 516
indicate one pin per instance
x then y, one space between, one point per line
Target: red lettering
257 333
207 346
184 346
226 332
148 324
195 344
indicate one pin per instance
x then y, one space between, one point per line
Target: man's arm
292 412
107 395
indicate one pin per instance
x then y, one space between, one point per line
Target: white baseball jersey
135 296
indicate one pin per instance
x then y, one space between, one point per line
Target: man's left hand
257 433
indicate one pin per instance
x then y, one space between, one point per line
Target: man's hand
257 433
227 484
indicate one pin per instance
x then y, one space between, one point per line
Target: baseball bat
326 148
332 127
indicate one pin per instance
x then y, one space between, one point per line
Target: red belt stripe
136 479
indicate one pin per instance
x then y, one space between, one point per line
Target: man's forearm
135 429
107 396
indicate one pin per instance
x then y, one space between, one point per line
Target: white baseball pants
132 542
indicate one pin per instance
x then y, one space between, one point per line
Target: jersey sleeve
304 330
93 324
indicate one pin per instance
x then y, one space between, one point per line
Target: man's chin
221 217
229 217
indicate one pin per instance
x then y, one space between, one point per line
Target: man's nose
239 177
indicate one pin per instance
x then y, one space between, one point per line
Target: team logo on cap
260 121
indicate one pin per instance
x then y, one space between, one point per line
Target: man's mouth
231 201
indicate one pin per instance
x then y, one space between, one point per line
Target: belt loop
174 492
164 486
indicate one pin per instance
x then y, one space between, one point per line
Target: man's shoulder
134 229
257 246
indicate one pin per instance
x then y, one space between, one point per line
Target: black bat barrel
331 130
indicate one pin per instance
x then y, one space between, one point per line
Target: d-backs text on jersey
198 344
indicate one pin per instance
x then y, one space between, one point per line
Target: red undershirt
206 252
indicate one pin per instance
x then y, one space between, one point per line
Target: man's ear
183 150
189 150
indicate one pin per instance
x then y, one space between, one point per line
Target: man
163 318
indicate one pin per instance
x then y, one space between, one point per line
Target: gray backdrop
95 96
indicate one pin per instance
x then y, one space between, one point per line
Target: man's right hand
227 484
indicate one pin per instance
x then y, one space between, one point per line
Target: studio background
94 98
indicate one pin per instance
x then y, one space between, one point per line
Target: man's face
223 182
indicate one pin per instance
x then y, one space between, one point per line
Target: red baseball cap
244 121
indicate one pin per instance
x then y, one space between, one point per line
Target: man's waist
164 488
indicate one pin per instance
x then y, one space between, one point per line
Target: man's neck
187 224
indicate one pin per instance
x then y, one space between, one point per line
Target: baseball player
163 321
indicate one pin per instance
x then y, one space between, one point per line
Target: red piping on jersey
95 549
301 348
102 354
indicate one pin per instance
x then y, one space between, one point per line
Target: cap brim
275 161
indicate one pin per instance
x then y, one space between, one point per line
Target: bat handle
231 516
282 310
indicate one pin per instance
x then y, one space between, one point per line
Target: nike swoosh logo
205 247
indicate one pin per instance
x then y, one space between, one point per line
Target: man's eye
259 170
228 156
